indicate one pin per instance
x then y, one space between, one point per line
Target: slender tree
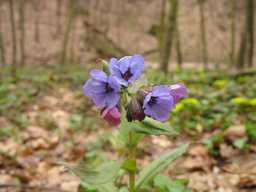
14 42
58 16
177 37
250 29
72 58
161 31
170 32
233 32
37 20
22 30
242 50
71 13
2 48
247 40
178 47
203 34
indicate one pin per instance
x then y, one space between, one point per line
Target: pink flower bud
111 115
178 91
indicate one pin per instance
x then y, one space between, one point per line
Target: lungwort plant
138 110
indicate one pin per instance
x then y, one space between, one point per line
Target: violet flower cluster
105 90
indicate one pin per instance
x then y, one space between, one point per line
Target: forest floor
45 119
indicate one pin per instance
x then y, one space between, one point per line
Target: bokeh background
47 48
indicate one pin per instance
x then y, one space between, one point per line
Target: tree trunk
242 50
22 30
13 33
247 40
161 32
2 48
67 32
233 32
37 21
250 29
178 48
177 37
72 58
58 16
203 34
170 31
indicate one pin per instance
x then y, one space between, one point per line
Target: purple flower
127 69
102 89
158 103
178 91
111 115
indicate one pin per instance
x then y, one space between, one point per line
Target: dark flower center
152 101
108 88
126 76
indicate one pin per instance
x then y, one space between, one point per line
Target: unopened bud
135 110
111 115
141 94
104 65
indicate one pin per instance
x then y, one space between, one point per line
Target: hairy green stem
131 156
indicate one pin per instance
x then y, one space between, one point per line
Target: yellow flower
240 101
221 83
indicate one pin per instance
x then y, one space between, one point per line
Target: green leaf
106 187
212 142
84 187
241 143
146 127
125 128
159 164
161 182
251 130
123 189
152 127
166 184
95 175
129 165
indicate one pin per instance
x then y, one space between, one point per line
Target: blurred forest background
218 34
47 48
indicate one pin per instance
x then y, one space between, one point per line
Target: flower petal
137 66
98 75
92 87
113 82
99 100
121 81
124 63
161 107
87 88
178 91
160 111
160 90
111 99
114 67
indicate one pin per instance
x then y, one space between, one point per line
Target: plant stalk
131 156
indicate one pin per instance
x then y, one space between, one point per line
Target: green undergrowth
216 100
